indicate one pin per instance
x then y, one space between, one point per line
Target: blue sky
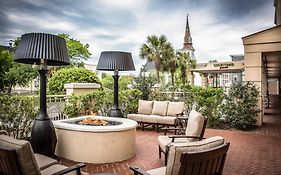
216 25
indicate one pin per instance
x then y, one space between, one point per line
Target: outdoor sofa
157 113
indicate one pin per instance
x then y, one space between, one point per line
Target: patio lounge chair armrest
182 136
76 168
167 129
138 171
172 129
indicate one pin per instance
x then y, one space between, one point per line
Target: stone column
204 80
191 77
254 72
80 88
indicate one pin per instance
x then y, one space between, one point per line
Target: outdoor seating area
93 92
250 152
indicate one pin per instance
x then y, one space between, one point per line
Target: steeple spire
187 45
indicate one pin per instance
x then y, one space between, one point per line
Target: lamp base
43 137
116 113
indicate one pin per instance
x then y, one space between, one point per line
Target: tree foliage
77 51
12 73
155 50
6 60
170 63
144 83
184 62
70 75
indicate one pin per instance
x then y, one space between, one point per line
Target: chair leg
166 158
159 149
142 124
157 128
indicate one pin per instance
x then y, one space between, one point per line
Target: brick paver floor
253 152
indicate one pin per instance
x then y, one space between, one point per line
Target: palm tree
154 50
170 62
185 62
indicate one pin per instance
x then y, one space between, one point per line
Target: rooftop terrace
251 152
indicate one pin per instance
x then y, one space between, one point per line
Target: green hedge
70 75
101 102
17 114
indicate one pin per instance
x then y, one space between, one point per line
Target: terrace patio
251 152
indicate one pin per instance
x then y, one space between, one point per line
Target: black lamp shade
115 60
36 46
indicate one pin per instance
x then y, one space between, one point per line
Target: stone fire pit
96 140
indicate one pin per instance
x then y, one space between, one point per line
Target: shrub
205 101
70 75
144 84
160 96
101 102
17 114
129 100
240 105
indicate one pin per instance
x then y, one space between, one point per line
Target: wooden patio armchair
17 158
205 162
194 131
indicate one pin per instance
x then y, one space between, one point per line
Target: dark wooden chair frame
9 164
206 162
173 137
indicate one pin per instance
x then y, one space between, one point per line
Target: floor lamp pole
115 111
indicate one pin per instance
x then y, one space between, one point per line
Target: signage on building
223 65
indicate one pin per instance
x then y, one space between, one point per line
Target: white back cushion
145 107
160 108
195 124
175 108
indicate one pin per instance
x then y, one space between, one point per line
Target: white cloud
212 38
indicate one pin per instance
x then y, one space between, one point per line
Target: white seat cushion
44 161
175 108
136 117
165 141
150 118
55 168
167 120
176 149
160 108
157 171
145 107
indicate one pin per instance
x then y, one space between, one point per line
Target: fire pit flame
92 121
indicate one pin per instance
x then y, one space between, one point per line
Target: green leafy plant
17 114
239 108
205 101
99 102
70 75
144 83
77 51
12 73
129 100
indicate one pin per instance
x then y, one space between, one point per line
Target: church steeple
187 45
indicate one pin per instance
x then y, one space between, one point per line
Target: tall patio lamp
115 61
42 49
